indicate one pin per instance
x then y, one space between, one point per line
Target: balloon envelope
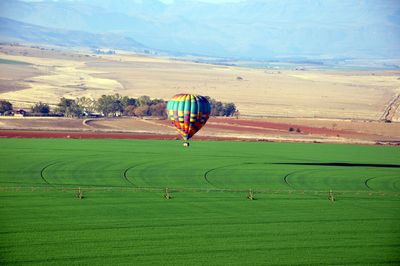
188 113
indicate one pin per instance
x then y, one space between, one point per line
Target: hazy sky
206 1
167 1
260 29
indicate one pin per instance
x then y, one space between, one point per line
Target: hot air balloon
188 113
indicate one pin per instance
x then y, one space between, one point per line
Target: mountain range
252 29
14 31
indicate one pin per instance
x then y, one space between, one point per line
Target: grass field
13 62
124 219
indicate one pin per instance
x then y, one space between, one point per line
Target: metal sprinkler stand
331 197
167 195
250 196
79 194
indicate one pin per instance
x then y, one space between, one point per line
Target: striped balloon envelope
188 113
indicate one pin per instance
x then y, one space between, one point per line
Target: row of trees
5 107
111 106
222 109
116 105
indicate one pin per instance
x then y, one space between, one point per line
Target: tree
229 109
69 108
144 100
5 106
40 108
221 109
86 104
130 110
158 109
110 104
126 101
142 111
157 101
129 105
217 109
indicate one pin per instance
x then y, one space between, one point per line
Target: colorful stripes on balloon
188 113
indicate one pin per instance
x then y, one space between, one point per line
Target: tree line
112 106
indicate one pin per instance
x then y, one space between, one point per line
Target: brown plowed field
216 128
95 135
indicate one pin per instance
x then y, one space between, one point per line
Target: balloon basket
186 144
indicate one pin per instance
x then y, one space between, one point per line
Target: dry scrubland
327 105
325 94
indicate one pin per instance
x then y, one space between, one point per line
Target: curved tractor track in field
343 166
49 174
45 179
394 183
134 179
125 174
367 181
43 170
311 178
206 173
294 173
325 175
285 178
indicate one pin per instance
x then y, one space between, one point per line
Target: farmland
325 105
124 219
52 73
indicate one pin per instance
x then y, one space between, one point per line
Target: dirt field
258 92
12 76
331 131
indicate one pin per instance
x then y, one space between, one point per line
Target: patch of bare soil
129 124
217 128
41 123
95 135
374 130
12 76
287 130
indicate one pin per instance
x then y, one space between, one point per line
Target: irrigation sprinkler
79 194
167 195
79 191
331 197
250 196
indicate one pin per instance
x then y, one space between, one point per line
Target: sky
247 29
205 1
166 1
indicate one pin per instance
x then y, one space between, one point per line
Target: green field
124 219
13 62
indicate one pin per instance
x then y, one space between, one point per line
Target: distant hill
11 30
252 29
